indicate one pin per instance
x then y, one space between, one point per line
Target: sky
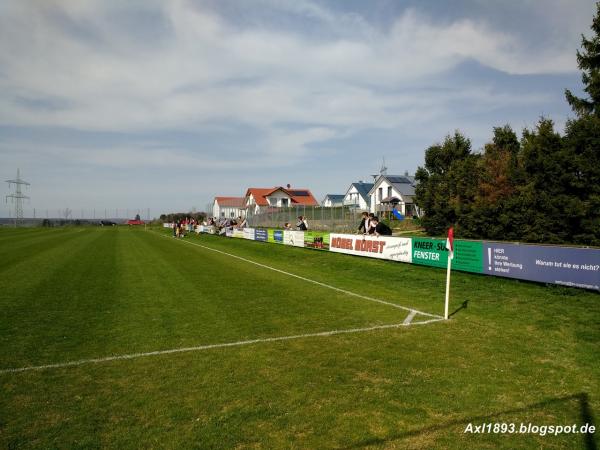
108 105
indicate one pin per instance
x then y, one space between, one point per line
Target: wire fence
337 219
68 216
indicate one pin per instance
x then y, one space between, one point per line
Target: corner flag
450 243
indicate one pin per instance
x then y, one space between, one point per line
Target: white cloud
101 79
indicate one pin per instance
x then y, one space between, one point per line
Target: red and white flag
450 243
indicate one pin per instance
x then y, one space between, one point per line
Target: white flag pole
450 248
447 286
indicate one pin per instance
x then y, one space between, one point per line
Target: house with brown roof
262 199
228 207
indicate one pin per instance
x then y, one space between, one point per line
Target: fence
75 216
334 219
566 266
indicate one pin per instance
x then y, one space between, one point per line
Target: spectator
364 223
287 226
301 224
242 223
381 229
371 226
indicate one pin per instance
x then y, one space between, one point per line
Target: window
284 202
380 194
232 214
389 191
222 213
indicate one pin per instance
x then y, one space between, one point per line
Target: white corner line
409 318
198 348
328 286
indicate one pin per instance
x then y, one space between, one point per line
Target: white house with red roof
229 207
261 199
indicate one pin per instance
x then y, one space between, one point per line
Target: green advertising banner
468 255
316 239
429 252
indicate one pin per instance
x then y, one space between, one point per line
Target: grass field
512 352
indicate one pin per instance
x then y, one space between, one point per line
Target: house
393 191
228 207
259 200
332 200
357 195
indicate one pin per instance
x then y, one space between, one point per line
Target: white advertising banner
238 233
249 233
382 247
295 238
205 229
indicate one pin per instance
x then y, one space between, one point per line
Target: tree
446 185
545 199
582 143
582 148
137 217
499 175
588 61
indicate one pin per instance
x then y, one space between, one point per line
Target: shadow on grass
462 306
585 414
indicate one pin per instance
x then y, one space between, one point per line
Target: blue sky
165 104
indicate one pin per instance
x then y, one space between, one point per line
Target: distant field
326 368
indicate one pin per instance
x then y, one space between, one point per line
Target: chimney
288 185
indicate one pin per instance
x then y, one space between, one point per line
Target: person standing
370 225
364 223
301 224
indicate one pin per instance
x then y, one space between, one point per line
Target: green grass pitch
513 352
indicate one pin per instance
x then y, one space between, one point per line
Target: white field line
328 286
199 348
409 318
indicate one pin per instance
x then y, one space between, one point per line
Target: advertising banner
568 266
261 234
468 255
249 233
205 229
275 236
295 238
429 252
238 233
382 247
229 232
316 239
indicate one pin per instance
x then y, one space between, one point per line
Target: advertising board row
568 266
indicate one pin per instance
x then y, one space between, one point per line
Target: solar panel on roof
399 180
299 193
